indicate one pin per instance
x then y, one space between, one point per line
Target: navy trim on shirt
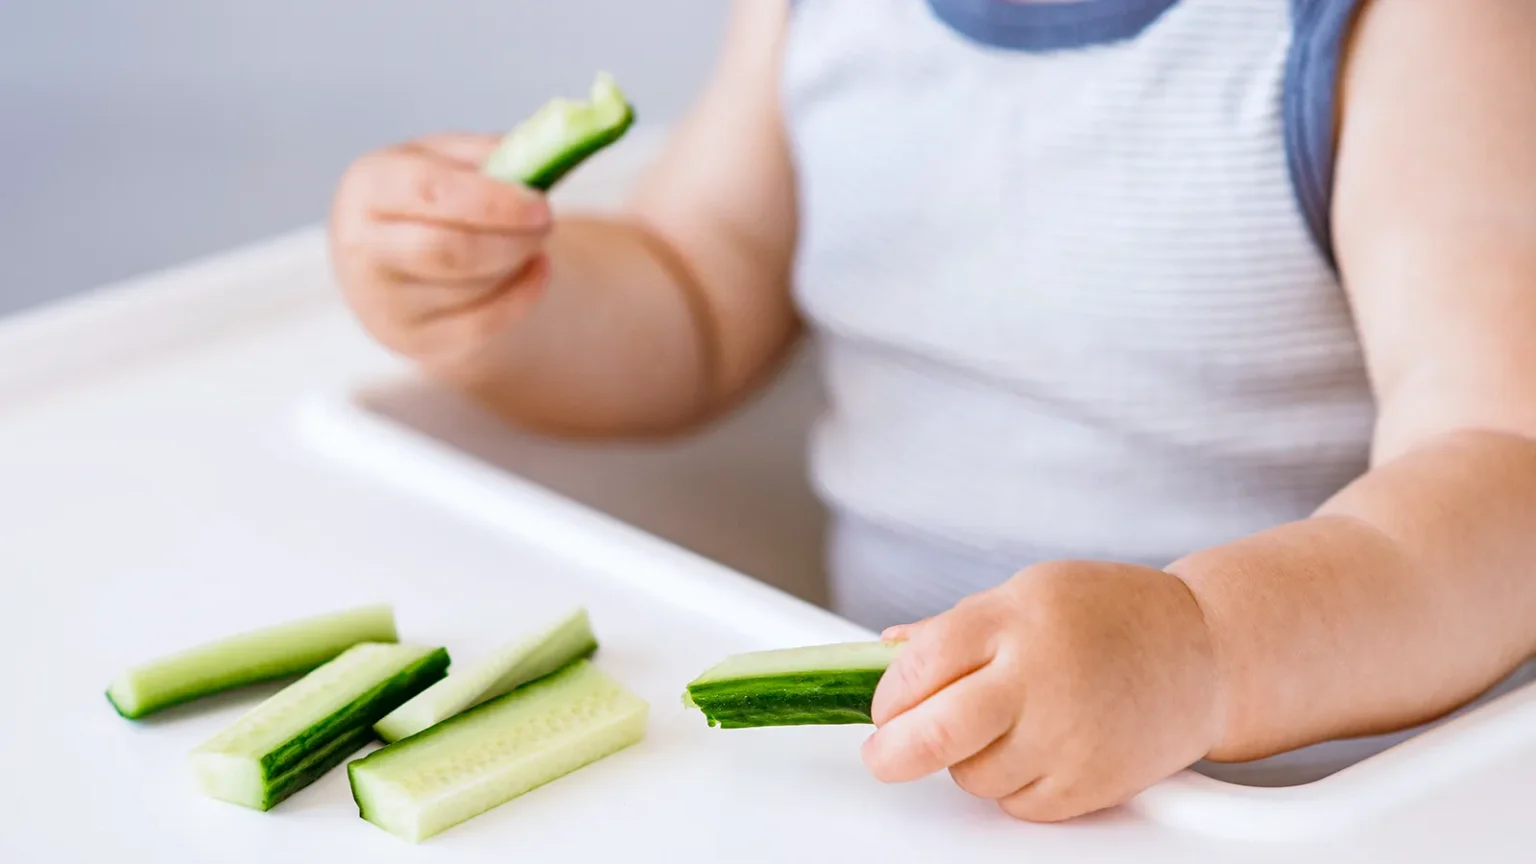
1320 28
1049 26
1311 97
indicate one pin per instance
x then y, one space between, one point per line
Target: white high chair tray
200 451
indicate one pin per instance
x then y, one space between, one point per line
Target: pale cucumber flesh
561 135
565 641
815 685
495 752
281 651
314 724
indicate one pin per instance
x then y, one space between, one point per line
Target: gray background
136 135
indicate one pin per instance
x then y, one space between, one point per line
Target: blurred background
140 135
137 135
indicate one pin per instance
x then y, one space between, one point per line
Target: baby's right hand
436 258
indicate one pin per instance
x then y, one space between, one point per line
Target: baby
1181 353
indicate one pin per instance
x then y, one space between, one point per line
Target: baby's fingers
443 327
434 253
902 632
951 726
942 650
468 149
1002 768
414 183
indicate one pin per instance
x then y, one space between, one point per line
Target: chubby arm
1414 588
643 322
1077 684
663 317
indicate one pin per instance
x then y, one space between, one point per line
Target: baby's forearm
618 343
1406 595
658 320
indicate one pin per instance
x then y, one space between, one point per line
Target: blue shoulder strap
1321 28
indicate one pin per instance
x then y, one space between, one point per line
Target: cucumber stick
260 655
566 640
492 753
313 724
561 135
816 685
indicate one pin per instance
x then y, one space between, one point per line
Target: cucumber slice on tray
490 754
561 135
260 655
566 640
313 724
815 685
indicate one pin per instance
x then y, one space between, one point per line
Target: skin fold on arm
665 315
1077 684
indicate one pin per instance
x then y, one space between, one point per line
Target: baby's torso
1070 301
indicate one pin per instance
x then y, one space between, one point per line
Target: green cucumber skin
284 745
586 652
200 694
406 754
273 670
812 698
468 715
291 674
362 807
579 151
305 758
193 697
315 765
363 711
548 657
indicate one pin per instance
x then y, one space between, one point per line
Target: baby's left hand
1067 689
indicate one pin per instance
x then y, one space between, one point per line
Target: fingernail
874 761
870 749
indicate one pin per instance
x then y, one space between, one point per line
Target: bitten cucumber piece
492 753
313 724
259 655
566 640
561 135
815 685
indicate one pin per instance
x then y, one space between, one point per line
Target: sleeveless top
1069 268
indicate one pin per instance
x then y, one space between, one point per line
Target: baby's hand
436 258
1068 689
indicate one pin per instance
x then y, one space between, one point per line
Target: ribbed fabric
1069 302
1074 302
